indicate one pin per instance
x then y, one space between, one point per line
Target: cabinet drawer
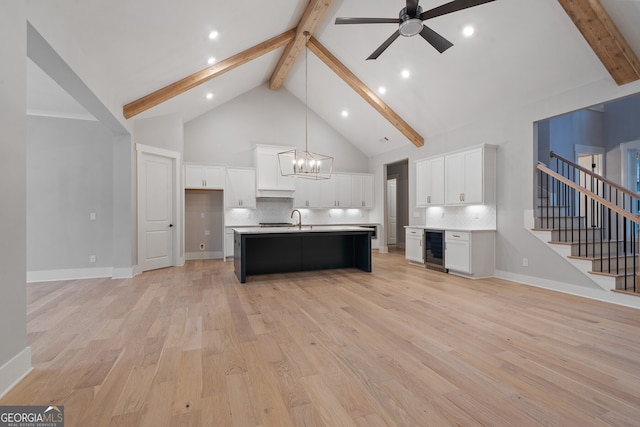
457 235
412 232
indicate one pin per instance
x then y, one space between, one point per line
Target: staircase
590 221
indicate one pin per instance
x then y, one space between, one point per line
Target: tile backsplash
279 210
463 217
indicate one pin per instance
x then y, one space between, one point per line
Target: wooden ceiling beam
174 89
361 89
605 39
312 16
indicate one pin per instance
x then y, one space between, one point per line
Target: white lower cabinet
470 253
457 251
228 243
414 245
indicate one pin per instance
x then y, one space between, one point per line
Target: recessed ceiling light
345 113
213 35
406 74
209 95
211 60
468 31
382 90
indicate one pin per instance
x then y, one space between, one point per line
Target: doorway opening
396 205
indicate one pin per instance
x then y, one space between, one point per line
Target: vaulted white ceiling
522 50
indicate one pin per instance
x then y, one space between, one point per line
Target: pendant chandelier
305 164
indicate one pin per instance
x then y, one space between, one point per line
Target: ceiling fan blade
436 40
384 45
412 7
367 20
453 6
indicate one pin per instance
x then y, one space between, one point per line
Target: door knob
170 225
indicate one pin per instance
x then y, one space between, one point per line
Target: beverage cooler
434 249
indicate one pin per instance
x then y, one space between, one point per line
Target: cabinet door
240 189
430 182
362 191
465 178
458 252
193 177
228 244
301 196
422 169
413 245
473 177
268 170
455 179
342 191
213 177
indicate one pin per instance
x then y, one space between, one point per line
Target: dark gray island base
278 250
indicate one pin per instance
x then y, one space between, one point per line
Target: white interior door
592 162
392 216
156 206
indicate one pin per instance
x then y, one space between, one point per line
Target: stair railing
595 220
624 198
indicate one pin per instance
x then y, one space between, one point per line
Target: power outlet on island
525 262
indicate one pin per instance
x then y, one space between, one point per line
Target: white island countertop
427 227
303 229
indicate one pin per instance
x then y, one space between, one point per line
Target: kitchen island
268 250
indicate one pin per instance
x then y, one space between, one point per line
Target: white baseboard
12 372
203 255
122 273
68 274
586 292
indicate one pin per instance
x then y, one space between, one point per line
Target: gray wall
227 134
622 121
70 164
13 320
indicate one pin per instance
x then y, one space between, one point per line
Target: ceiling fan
410 23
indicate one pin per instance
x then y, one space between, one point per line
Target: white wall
228 134
513 132
15 357
164 131
70 166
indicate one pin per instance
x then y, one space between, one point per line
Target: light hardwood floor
401 346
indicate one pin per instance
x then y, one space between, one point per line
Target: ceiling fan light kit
410 23
410 26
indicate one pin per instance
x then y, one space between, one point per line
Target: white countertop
425 227
294 229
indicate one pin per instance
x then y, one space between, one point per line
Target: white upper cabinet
470 177
341 190
313 193
430 182
268 176
204 177
362 191
240 190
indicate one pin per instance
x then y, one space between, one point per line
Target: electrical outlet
92 258
207 232
525 262
202 246
202 215
92 216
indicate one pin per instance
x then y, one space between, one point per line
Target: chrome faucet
299 224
